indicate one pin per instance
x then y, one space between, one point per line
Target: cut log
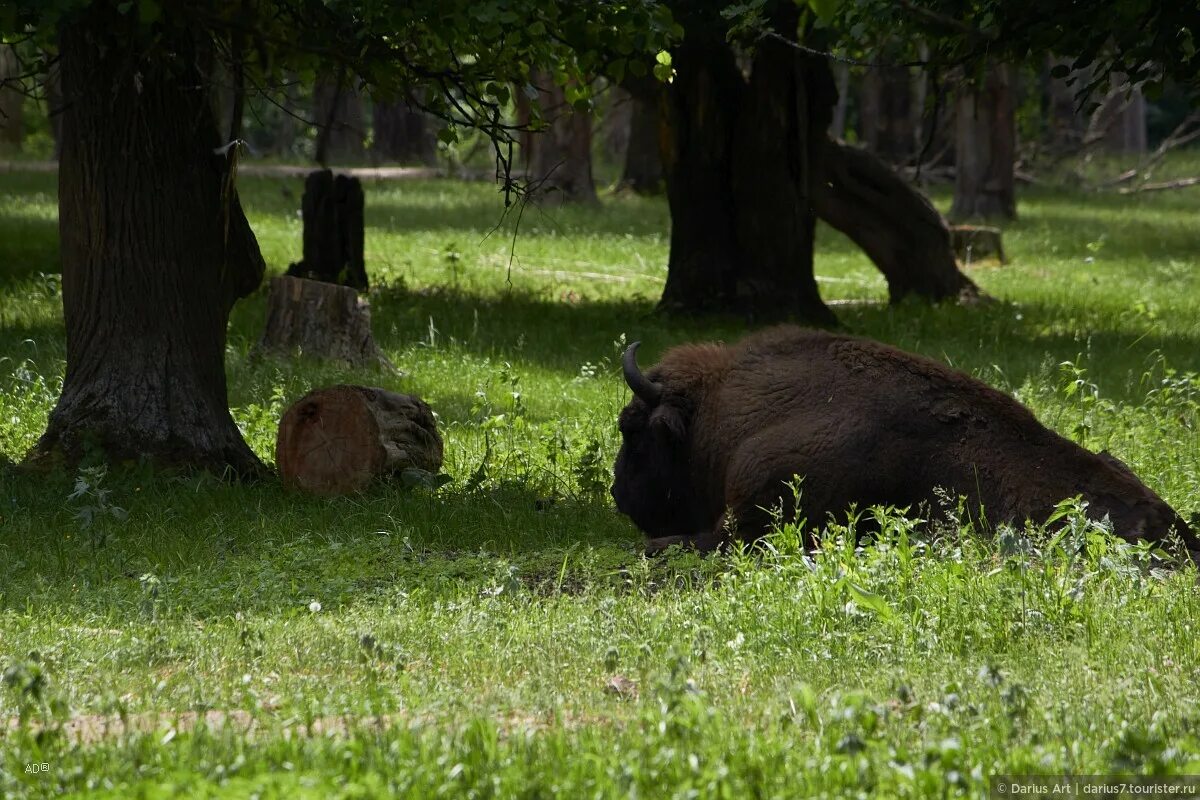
974 243
333 230
340 439
319 320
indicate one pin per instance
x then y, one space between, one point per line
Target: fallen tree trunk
340 439
320 320
902 233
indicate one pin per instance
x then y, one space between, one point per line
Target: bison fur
715 430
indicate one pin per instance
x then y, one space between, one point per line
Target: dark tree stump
320 320
976 242
338 440
333 231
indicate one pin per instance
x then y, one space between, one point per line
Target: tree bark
985 148
12 101
559 157
774 140
901 232
841 75
338 440
703 103
54 107
333 230
319 320
643 170
402 133
155 251
749 164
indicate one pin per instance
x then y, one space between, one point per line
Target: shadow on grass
218 549
28 249
1015 341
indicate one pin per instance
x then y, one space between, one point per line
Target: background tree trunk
985 148
12 102
1119 123
559 157
643 171
402 133
886 114
155 251
341 120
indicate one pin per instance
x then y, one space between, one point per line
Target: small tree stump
333 230
976 242
338 440
321 320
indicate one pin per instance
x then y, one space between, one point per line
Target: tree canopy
1147 41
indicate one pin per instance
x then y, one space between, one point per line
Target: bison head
652 480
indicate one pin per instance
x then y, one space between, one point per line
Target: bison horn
644 388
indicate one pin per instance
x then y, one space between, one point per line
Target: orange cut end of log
329 443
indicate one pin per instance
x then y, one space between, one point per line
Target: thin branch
1177 138
1162 186
949 23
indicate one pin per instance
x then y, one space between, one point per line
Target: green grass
220 640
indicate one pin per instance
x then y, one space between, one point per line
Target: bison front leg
657 546
704 541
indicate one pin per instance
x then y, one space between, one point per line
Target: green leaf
824 9
616 70
869 600
149 11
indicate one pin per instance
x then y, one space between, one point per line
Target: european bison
715 428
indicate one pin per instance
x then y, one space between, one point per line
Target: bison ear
668 421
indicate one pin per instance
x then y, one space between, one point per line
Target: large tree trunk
643 171
750 163
12 120
985 148
736 162
155 251
773 144
703 103
402 133
559 157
